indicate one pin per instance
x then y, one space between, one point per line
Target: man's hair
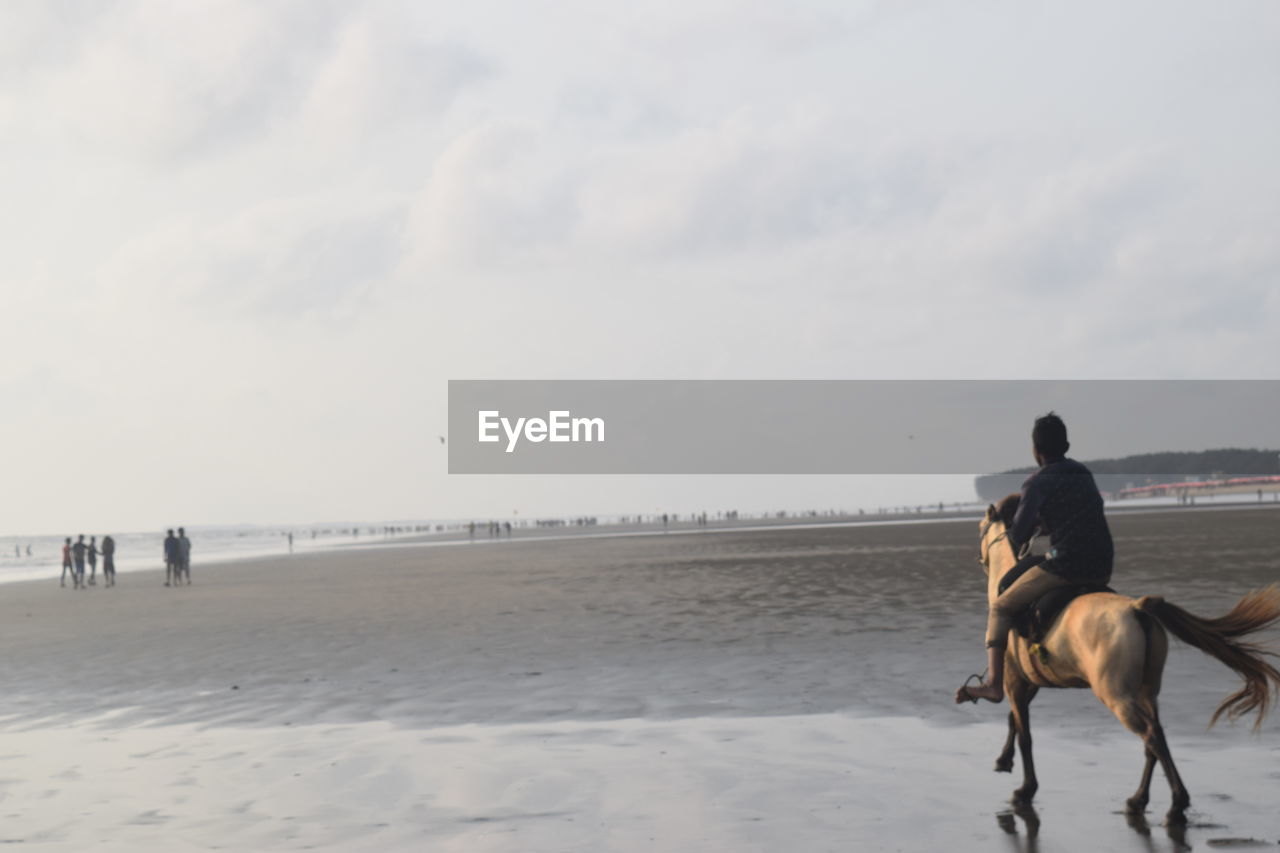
1049 436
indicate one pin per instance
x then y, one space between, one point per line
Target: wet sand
751 690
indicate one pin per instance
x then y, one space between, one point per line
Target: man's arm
1024 520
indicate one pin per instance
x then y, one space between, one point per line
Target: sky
245 245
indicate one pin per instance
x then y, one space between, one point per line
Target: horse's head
994 552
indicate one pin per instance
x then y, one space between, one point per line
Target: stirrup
965 687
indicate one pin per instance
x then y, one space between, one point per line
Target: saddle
1034 622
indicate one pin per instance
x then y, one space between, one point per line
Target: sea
25 558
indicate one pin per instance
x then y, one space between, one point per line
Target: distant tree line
1149 468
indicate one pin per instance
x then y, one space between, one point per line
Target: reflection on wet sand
1175 830
1021 826
1026 841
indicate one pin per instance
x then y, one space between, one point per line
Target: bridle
984 548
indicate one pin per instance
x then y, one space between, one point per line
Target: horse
1116 646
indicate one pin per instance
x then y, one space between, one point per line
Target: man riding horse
1062 499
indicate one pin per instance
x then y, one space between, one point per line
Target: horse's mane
1008 508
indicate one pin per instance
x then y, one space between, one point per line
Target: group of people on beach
78 555
494 528
74 557
177 558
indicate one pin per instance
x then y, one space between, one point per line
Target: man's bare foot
990 692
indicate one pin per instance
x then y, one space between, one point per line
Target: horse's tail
1220 638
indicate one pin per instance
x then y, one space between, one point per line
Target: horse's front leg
1004 763
1020 695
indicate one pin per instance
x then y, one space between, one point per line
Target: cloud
155 82
377 75
492 198
316 257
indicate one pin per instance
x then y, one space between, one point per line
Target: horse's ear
992 515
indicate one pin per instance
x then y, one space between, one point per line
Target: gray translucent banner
837 426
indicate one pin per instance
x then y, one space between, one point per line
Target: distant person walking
290 541
108 561
184 555
92 554
170 558
77 551
66 563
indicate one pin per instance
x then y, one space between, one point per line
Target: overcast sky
245 245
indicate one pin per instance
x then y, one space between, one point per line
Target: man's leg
1034 583
1019 569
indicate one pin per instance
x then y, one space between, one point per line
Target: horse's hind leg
1155 742
1137 804
1004 762
1020 695
1142 718
1141 715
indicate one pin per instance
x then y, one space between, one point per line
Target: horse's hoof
1022 796
1175 817
1135 805
1004 765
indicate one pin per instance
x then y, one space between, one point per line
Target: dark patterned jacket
1063 500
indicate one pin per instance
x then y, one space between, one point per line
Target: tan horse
1117 647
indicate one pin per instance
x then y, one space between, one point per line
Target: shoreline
757 525
622 531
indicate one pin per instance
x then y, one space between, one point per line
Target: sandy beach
747 690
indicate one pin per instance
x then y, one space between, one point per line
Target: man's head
170 531
181 532
1049 438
